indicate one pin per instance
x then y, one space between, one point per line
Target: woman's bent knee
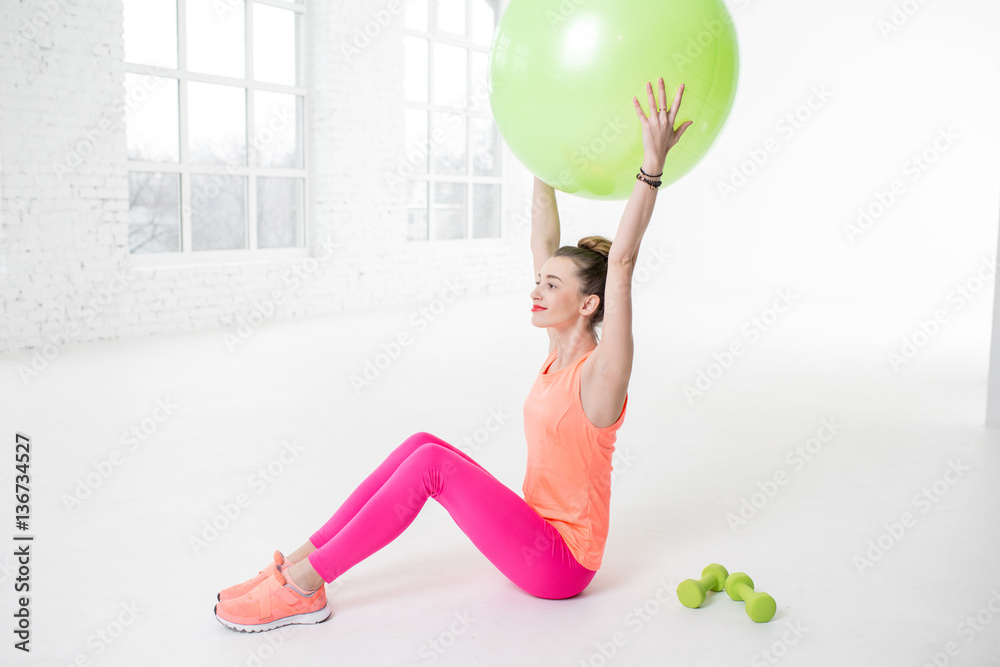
422 438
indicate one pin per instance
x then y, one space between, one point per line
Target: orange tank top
568 477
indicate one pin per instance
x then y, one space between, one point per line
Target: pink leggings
514 537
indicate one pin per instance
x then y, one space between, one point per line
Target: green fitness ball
562 74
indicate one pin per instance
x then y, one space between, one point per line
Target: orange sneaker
272 604
239 590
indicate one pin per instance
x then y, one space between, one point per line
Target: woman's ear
590 304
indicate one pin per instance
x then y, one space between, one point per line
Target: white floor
865 570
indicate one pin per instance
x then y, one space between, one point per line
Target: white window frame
249 171
432 35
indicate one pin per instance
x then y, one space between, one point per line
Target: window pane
416 14
151 118
485 211
448 220
449 82
218 212
484 147
416 69
416 140
217 124
450 16
479 98
276 137
483 21
215 37
154 212
416 219
448 144
274 50
279 211
151 32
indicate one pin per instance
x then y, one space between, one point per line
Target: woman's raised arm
606 381
544 233
544 224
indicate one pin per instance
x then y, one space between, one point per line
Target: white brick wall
64 264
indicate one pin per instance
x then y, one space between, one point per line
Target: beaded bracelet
649 179
651 183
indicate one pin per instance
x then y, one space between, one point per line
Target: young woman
550 542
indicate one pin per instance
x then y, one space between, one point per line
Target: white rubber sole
317 616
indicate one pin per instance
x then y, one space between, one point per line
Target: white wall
68 276
993 389
891 93
927 264
890 97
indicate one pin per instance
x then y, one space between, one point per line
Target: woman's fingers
653 121
638 109
652 100
676 105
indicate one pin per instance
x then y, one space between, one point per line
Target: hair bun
598 244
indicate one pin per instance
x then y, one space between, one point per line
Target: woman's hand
658 133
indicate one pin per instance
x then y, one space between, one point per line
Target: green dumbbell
691 592
760 606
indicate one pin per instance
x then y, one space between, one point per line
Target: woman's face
556 298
